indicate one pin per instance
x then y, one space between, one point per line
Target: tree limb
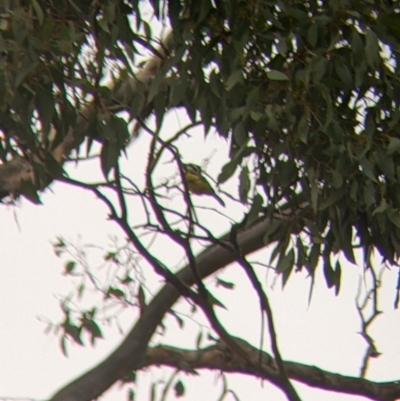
131 352
220 357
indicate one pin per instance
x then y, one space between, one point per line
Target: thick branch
220 357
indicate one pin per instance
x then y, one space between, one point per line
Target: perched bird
197 184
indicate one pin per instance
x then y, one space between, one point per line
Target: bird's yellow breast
197 184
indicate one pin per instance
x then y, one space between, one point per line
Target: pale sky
324 333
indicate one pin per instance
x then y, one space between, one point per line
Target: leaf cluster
310 90
56 57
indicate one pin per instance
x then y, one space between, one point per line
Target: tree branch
131 352
220 357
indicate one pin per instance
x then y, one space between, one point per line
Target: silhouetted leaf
277 76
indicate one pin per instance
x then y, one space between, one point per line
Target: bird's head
192 168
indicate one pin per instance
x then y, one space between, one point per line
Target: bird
197 184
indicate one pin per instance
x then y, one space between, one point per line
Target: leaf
59 246
52 167
179 389
328 272
255 209
109 256
282 46
354 14
394 216
180 321
337 179
320 68
240 135
346 241
325 93
73 332
391 22
121 131
386 164
131 394
372 49
367 169
272 228
312 34
338 275
256 115
81 290
109 156
304 127
147 30
271 118
159 103
63 344
333 198
29 191
238 113
286 261
142 299
314 196
69 267
174 11
275 75
343 73
381 208
244 184
154 87
115 292
227 171
225 284
286 274
235 78
38 11
237 155
357 45
369 194
394 145
314 256
153 392
199 340
215 302
93 329
27 67
103 23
